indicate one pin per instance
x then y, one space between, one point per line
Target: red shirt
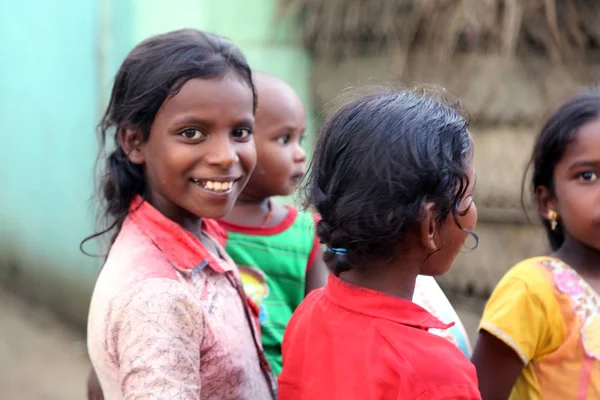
347 342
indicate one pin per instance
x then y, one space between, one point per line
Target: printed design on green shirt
255 285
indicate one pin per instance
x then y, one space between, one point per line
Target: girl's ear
546 201
131 143
428 228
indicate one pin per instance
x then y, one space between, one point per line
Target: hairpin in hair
337 250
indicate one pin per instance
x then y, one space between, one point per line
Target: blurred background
509 61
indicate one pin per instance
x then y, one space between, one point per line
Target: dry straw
435 92
562 30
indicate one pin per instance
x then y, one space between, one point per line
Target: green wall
57 67
48 98
271 44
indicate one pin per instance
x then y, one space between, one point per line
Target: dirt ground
469 310
42 359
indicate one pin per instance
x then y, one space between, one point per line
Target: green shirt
273 262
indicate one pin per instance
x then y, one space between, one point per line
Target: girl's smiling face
576 194
200 151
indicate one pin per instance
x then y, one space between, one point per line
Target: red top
347 342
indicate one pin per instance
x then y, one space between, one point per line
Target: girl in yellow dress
540 332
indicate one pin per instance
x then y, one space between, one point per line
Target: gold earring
552 217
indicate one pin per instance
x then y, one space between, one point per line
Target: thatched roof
494 90
559 29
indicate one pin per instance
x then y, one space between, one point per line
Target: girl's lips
298 176
216 185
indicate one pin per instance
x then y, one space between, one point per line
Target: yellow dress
550 317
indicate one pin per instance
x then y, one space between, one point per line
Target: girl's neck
251 196
251 212
187 220
395 278
194 226
582 258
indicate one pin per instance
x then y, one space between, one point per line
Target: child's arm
316 271
158 331
521 322
316 276
498 367
93 386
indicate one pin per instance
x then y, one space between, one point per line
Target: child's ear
131 143
428 228
546 201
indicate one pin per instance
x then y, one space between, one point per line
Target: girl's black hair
377 162
154 70
551 144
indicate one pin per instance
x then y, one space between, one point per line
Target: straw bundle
562 30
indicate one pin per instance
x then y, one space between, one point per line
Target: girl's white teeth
215 186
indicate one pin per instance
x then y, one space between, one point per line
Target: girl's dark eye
192 134
285 139
588 176
243 133
301 140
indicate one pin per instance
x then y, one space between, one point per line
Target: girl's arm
497 365
316 272
316 277
157 331
521 322
93 386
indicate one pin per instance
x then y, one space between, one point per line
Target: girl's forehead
586 143
199 91
210 98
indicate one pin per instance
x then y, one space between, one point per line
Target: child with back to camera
392 178
539 335
275 246
169 318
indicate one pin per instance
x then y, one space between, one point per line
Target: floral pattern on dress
586 304
591 331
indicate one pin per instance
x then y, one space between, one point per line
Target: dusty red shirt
167 320
346 342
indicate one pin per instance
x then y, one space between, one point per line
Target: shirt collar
183 250
380 305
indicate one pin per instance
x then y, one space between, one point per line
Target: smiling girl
169 318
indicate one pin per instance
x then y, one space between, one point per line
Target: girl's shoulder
534 273
133 256
555 301
547 276
528 284
528 267
526 293
580 304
